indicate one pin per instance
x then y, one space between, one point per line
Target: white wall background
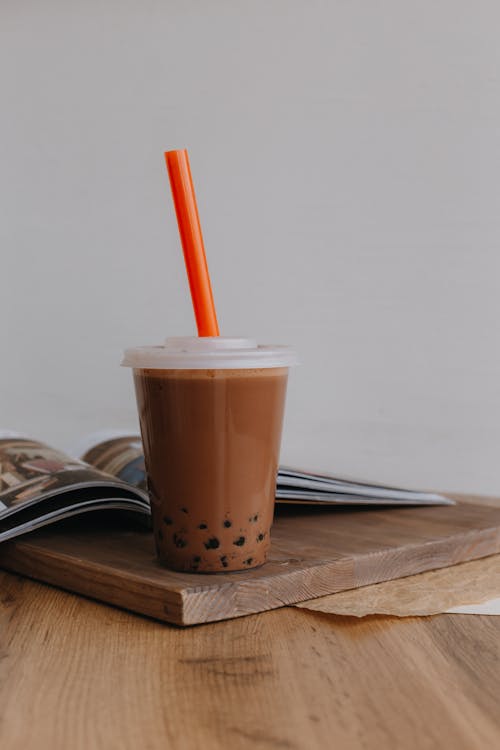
347 162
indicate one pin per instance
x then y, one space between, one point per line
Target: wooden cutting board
315 551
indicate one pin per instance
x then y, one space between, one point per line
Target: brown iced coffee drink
211 439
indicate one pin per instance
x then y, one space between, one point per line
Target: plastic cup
211 413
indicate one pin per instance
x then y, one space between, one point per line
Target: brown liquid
211 442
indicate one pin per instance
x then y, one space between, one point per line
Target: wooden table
75 674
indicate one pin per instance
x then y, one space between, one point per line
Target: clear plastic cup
211 413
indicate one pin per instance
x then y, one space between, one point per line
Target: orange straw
188 220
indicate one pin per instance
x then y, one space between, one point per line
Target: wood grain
315 551
77 674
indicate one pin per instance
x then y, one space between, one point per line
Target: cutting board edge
486 542
168 608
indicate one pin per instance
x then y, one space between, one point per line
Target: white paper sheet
491 607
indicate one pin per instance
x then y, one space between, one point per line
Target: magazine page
60 507
117 453
348 498
323 483
31 472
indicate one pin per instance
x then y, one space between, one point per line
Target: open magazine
40 485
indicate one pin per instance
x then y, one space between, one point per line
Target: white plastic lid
208 353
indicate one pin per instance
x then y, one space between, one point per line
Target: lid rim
169 357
